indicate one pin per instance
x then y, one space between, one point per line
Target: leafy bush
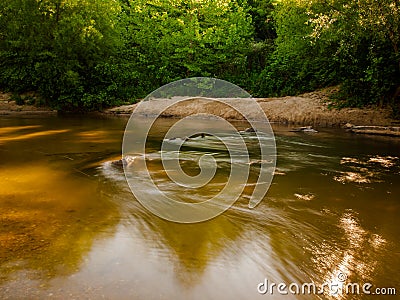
347 43
17 98
87 55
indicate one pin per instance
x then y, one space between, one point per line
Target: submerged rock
193 136
202 135
119 163
125 161
304 129
250 129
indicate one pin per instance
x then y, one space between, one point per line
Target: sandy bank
306 109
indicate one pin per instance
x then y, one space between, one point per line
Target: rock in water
304 129
119 163
250 129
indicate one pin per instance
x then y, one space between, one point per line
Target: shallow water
71 228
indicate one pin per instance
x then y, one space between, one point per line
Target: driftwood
375 130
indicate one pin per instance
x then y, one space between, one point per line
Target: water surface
71 228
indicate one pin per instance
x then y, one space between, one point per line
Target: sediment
307 109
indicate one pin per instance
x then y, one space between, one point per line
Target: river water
71 228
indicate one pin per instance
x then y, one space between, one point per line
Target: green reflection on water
69 221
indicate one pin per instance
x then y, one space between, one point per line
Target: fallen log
376 130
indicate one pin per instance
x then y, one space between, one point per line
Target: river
71 228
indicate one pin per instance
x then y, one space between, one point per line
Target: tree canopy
354 43
86 55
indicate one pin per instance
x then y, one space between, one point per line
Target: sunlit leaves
186 38
354 43
51 45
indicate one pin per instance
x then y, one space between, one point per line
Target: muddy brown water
71 228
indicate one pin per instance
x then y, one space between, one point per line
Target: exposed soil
9 107
307 109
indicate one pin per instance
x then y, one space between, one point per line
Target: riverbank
307 109
10 107
310 109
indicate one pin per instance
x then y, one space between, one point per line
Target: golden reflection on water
355 262
31 135
70 228
10 129
95 136
194 247
45 225
50 214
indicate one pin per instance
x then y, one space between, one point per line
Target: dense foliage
89 54
354 43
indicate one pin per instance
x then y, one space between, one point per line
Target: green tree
368 34
299 62
347 42
177 39
53 46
